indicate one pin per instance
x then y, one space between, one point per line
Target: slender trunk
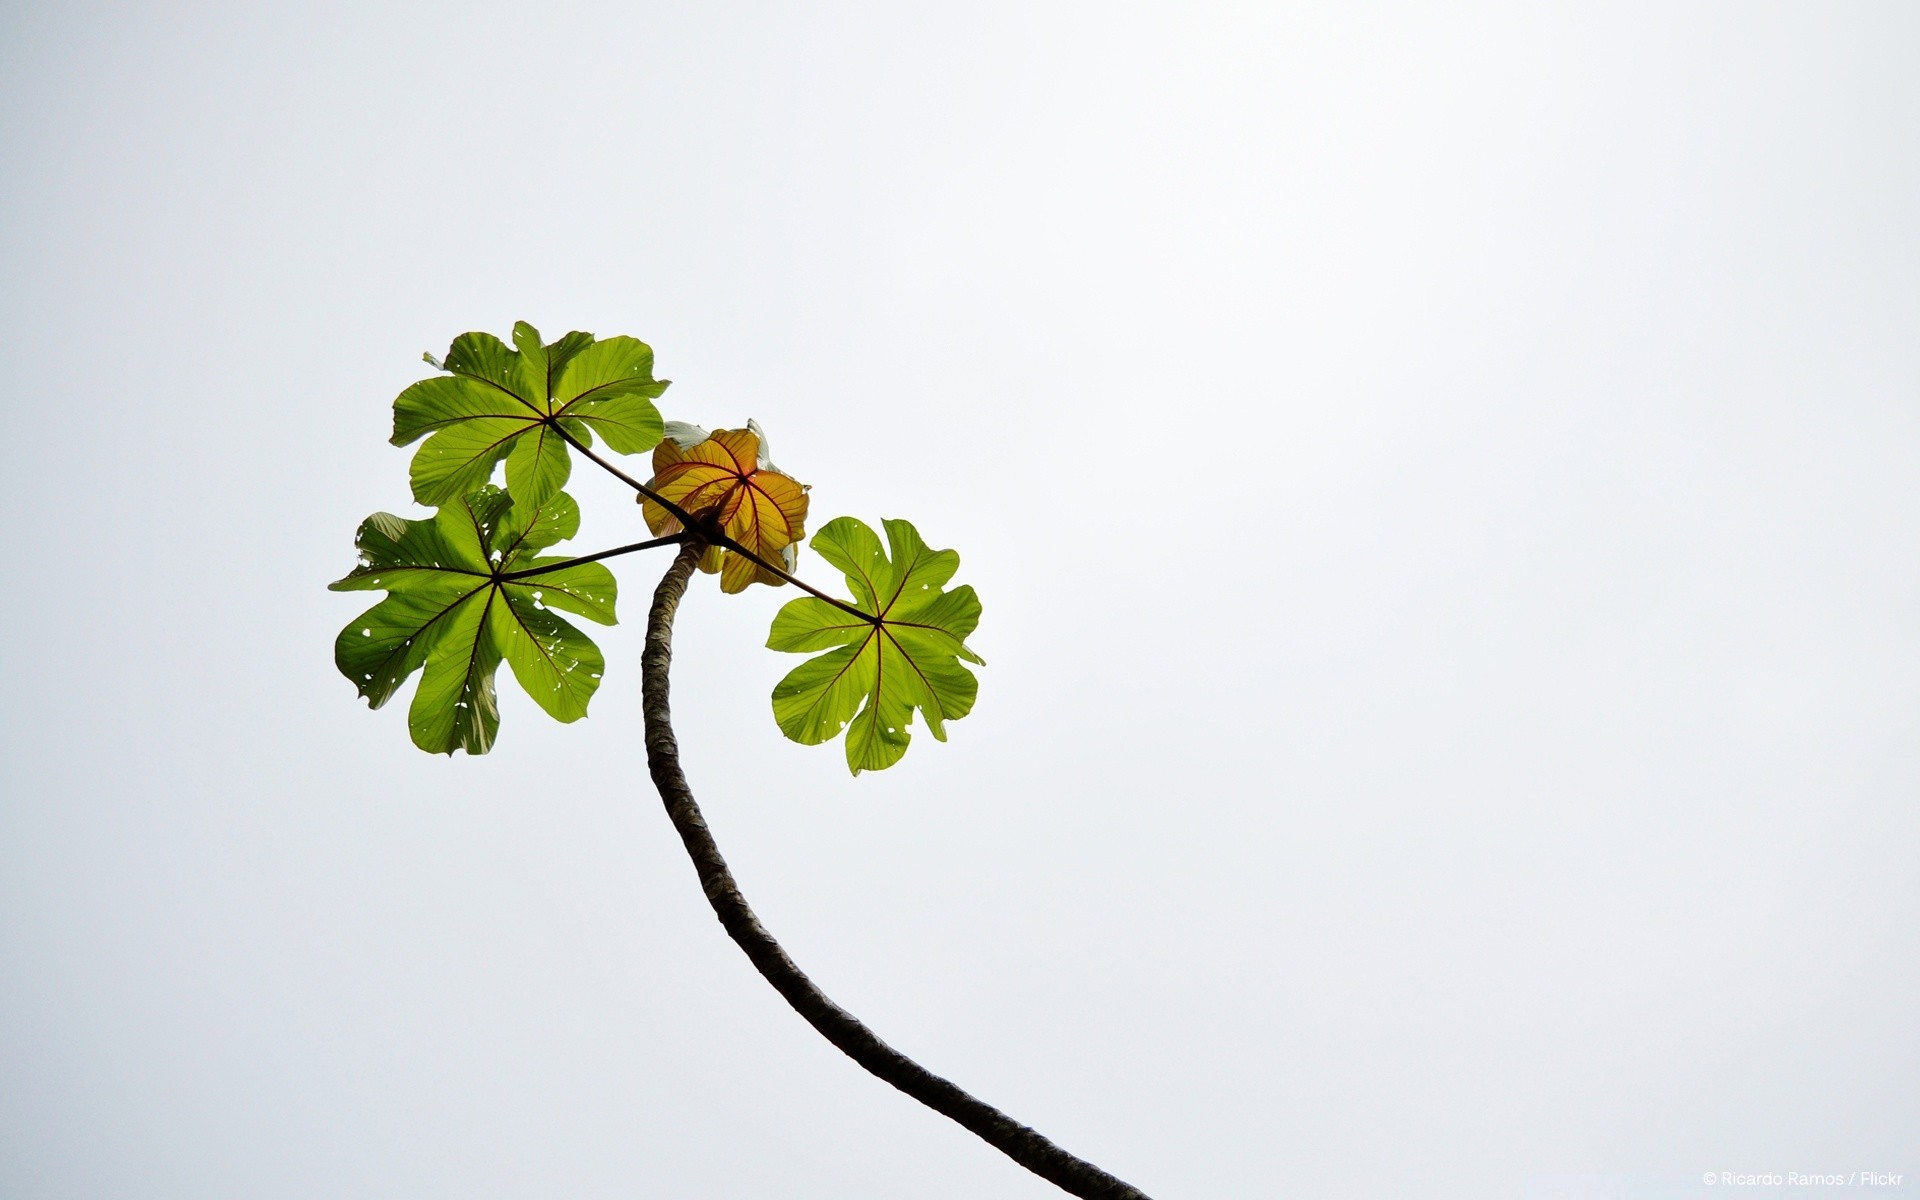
836 1024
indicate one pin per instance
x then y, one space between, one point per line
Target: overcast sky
1442 482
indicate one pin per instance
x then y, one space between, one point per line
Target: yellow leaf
722 478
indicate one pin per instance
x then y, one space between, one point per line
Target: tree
469 588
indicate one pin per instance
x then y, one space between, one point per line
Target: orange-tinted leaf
756 505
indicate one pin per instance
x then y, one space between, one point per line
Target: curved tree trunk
836 1024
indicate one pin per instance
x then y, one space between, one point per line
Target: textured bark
836 1024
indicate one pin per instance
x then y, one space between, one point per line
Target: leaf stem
680 514
669 540
795 580
1025 1146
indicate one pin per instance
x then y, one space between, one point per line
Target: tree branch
1018 1142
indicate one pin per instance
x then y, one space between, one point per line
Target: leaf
516 404
725 475
452 609
875 674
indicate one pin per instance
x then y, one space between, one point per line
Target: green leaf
513 404
874 674
452 610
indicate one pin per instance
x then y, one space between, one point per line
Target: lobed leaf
876 674
452 613
515 403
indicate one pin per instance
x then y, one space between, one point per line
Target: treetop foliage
468 587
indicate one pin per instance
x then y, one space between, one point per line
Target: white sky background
1442 486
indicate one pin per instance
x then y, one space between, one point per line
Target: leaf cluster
469 587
